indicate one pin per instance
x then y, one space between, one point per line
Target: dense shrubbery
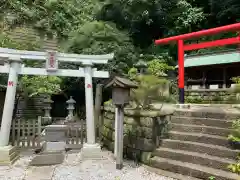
124 27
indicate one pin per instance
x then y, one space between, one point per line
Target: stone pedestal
55 138
8 155
54 146
91 151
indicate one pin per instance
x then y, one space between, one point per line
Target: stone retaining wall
142 131
211 96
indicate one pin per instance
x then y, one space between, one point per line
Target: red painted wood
180 64
232 27
222 42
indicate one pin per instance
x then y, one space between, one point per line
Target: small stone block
8 155
47 159
56 133
54 146
91 151
119 166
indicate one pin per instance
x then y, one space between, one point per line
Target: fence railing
76 134
26 133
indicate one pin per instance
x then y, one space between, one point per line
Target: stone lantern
121 96
71 106
141 66
47 108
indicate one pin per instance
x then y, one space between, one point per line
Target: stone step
209 112
202 121
198 137
209 149
194 157
193 170
201 129
169 174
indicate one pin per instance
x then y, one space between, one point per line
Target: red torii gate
182 48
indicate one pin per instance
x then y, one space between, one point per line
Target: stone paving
74 168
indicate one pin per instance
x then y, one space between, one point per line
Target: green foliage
158 67
33 85
152 19
7 42
211 178
132 73
235 135
36 85
236 79
236 88
194 99
148 90
236 124
99 37
191 16
235 168
108 103
136 24
233 138
51 16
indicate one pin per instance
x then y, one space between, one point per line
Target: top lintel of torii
62 57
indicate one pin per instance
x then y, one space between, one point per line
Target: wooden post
82 132
39 130
224 78
119 132
18 132
13 132
23 127
204 79
116 127
98 103
28 133
34 133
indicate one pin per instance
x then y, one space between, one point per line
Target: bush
235 135
235 168
149 90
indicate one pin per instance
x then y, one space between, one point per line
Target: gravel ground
74 168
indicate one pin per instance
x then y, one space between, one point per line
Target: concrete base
54 146
119 166
8 155
47 159
183 106
91 151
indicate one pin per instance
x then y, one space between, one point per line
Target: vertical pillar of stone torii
9 101
90 149
89 103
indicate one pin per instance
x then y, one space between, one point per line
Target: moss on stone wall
210 96
142 131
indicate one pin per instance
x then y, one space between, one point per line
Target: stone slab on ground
47 159
39 173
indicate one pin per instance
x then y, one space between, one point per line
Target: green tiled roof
212 59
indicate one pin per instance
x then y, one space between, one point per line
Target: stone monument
54 146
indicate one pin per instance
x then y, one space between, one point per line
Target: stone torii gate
12 66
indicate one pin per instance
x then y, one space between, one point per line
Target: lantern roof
71 101
121 82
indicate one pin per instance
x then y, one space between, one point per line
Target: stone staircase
197 146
